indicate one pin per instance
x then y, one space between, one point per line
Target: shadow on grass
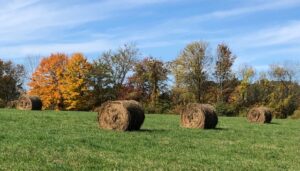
273 123
151 130
221 129
207 129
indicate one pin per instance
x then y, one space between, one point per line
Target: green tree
11 80
190 69
101 83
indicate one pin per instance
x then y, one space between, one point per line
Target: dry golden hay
199 116
260 115
29 103
123 115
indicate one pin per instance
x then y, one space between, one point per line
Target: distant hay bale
260 115
199 116
123 115
12 104
96 109
2 103
29 103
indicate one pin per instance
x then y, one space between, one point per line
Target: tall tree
76 83
47 81
150 76
121 63
11 80
284 95
223 72
282 75
101 83
190 69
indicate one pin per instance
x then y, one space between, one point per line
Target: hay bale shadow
220 129
150 130
273 123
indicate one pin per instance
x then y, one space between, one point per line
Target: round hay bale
29 103
260 115
199 116
123 115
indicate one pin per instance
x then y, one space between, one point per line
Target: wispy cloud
34 25
249 7
287 33
44 26
192 25
253 8
90 46
268 45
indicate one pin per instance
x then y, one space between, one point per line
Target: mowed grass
49 140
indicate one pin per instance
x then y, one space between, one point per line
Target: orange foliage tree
76 83
47 81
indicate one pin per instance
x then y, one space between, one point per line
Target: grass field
49 140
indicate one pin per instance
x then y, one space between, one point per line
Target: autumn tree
190 69
223 73
75 87
150 76
242 94
11 80
284 95
120 63
48 79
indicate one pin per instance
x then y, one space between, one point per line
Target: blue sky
259 32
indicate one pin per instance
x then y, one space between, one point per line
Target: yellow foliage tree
76 84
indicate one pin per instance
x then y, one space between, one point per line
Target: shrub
243 112
225 109
296 115
2 103
177 109
12 104
285 108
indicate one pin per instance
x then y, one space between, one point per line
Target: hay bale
123 115
29 103
260 115
2 103
199 116
12 104
96 109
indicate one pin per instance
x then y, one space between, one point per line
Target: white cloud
268 5
24 25
25 22
46 49
277 35
250 7
19 18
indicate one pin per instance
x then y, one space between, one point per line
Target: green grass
48 140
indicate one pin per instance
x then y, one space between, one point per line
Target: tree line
71 82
